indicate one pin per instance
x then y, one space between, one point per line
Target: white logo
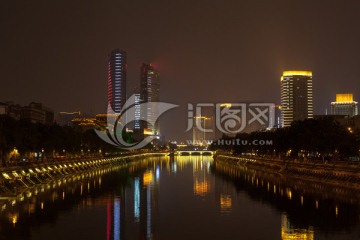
232 118
116 123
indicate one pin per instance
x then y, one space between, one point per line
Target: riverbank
337 174
15 179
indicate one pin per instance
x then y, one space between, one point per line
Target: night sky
55 52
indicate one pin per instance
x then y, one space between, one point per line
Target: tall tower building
344 105
203 130
296 96
149 92
137 112
117 80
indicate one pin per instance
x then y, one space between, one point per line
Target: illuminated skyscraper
117 80
296 96
344 105
137 117
202 130
149 92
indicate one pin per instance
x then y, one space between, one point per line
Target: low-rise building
35 112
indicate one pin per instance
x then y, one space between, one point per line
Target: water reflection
225 203
308 211
178 198
289 232
201 175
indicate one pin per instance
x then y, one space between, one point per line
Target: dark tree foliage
30 137
322 138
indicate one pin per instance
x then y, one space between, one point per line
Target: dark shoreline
338 181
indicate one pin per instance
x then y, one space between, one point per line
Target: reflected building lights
148 195
137 199
157 174
225 203
174 167
336 211
147 178
288 232
108 220
289 193
200 176
14 218
117 219
201 188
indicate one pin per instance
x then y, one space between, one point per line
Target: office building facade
150 92
296 96
344 105
117 72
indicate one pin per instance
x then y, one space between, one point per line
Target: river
177 198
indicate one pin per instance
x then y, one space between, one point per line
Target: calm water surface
180 198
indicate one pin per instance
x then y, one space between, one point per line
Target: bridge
194 153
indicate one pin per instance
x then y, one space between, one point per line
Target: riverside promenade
344 174
14 179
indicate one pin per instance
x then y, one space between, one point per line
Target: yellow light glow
297 73
147 178
225 201
297 234
148 132
107 115
288 193
201 188
289 232
202 117
345 97
336 211
6 176
14 219
227 105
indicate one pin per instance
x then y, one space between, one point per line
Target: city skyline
160 119
229 53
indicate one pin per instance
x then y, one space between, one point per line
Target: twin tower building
117 90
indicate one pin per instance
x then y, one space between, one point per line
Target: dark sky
55 52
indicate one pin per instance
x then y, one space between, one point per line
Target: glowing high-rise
296 96
344 105
149 92
117 80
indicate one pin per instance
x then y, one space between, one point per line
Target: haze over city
205 51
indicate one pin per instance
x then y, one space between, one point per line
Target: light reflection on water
176 198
